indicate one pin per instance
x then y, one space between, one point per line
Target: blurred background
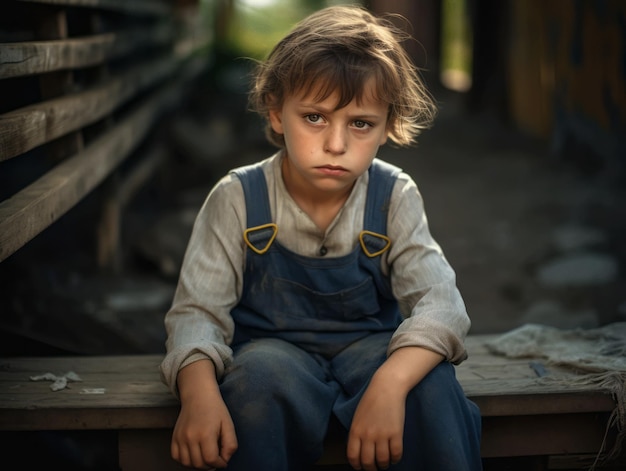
522 172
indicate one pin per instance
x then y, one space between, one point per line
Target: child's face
328 149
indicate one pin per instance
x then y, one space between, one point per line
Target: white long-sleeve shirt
199 324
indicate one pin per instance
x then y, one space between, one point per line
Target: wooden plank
529 436
55 26
509 386
116 392
109 227
34 208
77 398
134 380
37 57
530 403
134 401
543 434
142 7
88 418
31 126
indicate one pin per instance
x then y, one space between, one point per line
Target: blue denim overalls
310 333
319 304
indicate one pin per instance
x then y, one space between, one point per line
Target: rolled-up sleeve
199 324
435 316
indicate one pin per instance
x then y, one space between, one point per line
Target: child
311 286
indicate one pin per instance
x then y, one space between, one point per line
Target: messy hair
340 48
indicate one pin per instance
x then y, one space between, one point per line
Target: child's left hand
375 439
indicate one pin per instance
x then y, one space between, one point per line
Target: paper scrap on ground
58 382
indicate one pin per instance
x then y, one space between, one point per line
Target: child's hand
204 436
375 439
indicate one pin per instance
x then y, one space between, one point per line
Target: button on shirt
199 325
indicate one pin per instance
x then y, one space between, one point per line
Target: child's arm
375 438
423 281
204 434
199 324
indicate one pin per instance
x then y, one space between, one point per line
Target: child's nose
336 140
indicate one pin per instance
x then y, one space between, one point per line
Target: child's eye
313 118
361 124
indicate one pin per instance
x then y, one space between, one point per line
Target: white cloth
598 356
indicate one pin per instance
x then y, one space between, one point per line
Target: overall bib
310 333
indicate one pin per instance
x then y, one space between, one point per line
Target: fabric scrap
597 356
58 382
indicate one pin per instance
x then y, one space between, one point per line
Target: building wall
555 70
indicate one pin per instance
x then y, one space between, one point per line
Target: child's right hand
204 435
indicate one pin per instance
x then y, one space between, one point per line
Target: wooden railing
82 83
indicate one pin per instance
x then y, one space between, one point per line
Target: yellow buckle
378 236
247 232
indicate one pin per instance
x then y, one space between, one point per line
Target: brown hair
340 48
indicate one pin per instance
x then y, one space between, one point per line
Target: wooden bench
522 417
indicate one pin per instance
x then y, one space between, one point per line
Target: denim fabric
309 334
281 399
320 304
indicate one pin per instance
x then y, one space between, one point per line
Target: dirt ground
507 211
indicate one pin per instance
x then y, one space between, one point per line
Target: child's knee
267 369
438 387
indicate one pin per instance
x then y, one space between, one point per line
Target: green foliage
257 25
456 44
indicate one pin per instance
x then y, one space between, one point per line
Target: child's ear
276 120
383 139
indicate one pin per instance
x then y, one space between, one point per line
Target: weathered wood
548 434
55 26
125 393
34 208
133 381
534 403
518 421
114 116
120 194
29 127
37 57
485 377
21 368
88 418
140 7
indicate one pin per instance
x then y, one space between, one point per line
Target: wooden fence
82 83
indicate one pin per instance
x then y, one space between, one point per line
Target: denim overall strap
255 192
260 232
373 237
382 179
320 304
